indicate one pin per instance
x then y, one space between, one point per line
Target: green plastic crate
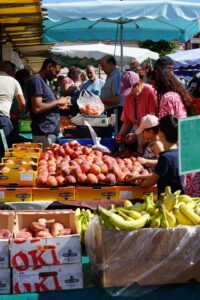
24 125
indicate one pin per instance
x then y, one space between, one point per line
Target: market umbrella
130 19
186 58
98 50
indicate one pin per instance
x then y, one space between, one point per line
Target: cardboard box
133 192
27 152
15 194
27 145
5 281
17 175
146 256
20 160
54 193
45 251
85 193
47 278
6 222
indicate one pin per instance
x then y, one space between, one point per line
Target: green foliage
162 47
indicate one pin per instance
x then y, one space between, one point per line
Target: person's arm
112 101
147 180
40 107
21 103
147 162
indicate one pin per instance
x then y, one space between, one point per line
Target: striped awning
21 22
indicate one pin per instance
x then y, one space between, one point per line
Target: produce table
190 291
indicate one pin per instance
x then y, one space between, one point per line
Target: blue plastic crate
108 142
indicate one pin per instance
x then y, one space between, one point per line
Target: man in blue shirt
110 93
44 108
93 84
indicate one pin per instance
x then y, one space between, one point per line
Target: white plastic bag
90 104
96 139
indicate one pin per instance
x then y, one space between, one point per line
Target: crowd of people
146 101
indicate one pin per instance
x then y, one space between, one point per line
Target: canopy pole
121 44
1 42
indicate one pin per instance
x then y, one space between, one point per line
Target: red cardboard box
45 251
47 278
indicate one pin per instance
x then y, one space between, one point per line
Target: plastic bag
134 263
96 139
90 104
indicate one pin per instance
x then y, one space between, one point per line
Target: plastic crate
108 142
24 125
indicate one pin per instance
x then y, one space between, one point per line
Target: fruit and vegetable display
73 163
171 210
43 228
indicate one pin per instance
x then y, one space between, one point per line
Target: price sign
189 145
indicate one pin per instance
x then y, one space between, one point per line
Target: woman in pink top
140 101
173 99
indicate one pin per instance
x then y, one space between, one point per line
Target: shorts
46 140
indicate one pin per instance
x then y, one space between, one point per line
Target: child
149 127
166 171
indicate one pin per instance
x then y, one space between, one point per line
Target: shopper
140 100
9 89
166 171
44 108
173 99
93 84
149 128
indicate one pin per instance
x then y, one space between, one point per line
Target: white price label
2 195
26 177
126 194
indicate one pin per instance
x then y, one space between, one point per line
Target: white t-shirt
9 88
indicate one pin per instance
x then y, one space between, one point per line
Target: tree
162 47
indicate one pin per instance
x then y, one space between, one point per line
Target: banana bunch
82 217
171 210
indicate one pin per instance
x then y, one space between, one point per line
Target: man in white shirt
10 89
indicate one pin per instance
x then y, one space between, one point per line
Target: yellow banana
104 221
171 219
164 222
79 223
184 198
181 218
149 202
120 223
127 203
190 214
123 215
77 212
169 201
155 220
133 214
138 206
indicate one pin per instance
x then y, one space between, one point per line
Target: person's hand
64 102
119 138
130 138
142 160
130 178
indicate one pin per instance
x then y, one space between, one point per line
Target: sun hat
146 122
128 80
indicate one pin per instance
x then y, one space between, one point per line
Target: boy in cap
166 171
164 62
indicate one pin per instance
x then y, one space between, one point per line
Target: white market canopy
186 58
98 50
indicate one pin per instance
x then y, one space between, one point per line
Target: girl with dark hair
173 99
